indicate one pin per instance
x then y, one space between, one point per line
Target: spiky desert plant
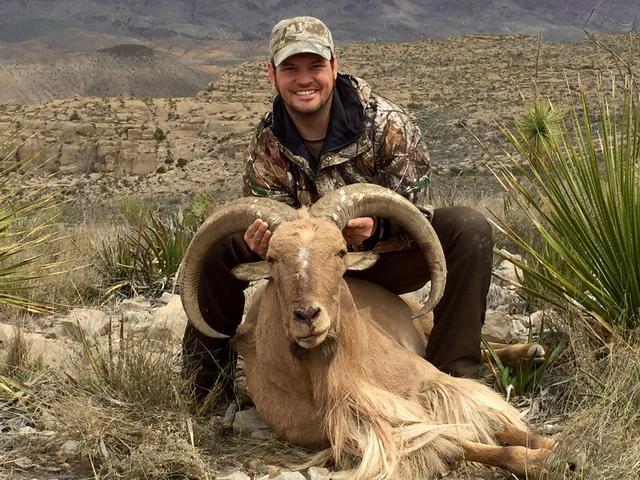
584 202
145 257
539 131
27 217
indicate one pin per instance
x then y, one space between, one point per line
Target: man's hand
257 237
358 230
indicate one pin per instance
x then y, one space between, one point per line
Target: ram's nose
306 314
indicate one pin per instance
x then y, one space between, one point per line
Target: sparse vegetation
576 186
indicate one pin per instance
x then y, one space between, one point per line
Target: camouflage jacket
369 139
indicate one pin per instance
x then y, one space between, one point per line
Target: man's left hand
359 229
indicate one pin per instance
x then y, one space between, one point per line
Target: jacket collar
345 122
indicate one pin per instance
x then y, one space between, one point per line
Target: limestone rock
86 130
536 319
284 476
508 271
31 147
498 327
248 421
134 134
52 352
87 157
68 156
234 476
85 321
70 447
136 304
319 473
171 317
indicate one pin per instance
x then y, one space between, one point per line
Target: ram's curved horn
232 218
362 199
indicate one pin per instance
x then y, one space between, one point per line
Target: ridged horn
368 200
232 218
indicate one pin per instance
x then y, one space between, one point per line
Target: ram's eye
342 253
270 259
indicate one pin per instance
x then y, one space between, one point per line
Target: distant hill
60 48
131 70
363 20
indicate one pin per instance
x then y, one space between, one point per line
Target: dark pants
454 343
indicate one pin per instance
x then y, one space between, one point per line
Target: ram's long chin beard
325 348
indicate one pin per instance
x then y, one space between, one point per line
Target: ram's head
307 255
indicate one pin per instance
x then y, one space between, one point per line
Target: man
327 130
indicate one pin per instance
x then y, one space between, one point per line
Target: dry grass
598 391
121 410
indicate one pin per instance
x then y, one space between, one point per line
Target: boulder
498 327
51 351
85 322
169 319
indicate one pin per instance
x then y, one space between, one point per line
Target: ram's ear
360 260
252 271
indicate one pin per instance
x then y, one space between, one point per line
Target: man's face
305 81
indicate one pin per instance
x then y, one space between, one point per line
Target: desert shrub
145 255
159 134
579 189
132 208
28 233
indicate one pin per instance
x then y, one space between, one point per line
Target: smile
305 93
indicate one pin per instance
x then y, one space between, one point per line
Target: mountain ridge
365 20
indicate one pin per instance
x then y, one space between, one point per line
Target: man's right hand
257 237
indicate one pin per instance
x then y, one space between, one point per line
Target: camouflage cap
299 35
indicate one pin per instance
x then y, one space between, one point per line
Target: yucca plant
27 218
539 132
146 257
580 190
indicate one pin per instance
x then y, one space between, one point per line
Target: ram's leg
515 436
517 459
513 355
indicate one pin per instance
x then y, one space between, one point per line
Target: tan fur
381 410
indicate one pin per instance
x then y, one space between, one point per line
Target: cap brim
301 47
